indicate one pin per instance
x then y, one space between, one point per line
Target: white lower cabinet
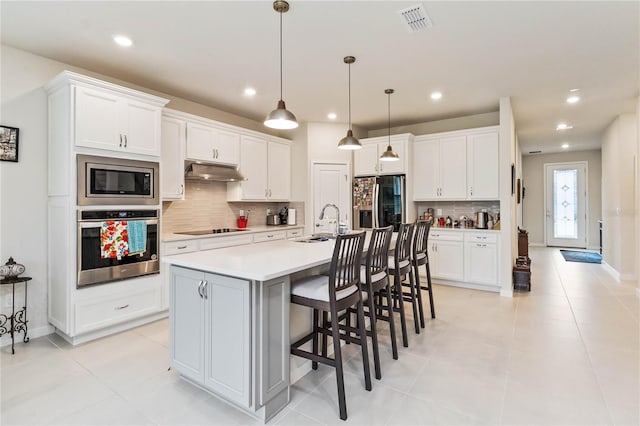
446 255
211 332
481 258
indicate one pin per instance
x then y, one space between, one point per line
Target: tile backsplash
455 209
205 207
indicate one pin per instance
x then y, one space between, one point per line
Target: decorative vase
11 269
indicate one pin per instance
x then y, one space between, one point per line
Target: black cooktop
211 231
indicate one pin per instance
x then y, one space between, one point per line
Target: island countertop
260 262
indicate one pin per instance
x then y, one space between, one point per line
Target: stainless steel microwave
116 181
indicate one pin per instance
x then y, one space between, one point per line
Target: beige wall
619 156
533 203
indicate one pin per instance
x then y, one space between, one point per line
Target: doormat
581 256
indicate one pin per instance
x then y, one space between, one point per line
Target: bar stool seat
317 288
399 267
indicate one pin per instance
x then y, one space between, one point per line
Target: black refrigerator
379 201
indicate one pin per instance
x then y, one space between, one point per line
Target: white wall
446 125
23 185
637 170
508 216
619 157
533 203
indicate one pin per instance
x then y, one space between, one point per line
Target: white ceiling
475 53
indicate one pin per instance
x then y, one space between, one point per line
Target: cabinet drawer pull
181 247
117 308
120 140
125 141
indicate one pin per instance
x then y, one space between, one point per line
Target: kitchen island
229 319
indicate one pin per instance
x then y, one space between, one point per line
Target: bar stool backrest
420 239
345 263
378 253
402 250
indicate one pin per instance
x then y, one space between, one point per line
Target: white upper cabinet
483 174
107 120
172 159
211 144
366 161
97 115
266 164
439 168
460 165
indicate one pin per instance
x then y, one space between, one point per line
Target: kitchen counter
438 228
260 262
168 237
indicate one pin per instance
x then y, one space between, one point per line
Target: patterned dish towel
114 239
137 237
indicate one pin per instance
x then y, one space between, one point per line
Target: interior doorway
565 204
331 184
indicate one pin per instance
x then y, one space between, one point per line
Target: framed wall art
9 143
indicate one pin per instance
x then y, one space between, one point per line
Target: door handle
120 140
200 289
125 141
204 289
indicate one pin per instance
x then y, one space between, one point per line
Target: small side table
18 319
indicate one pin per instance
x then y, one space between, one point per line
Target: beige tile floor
566 353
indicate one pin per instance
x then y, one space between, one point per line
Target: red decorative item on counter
242 222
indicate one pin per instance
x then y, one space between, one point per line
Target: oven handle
98 223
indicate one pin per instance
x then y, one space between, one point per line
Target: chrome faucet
337 217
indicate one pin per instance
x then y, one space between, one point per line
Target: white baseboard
627 277
297 373
615 274
506 292
32 334
537 245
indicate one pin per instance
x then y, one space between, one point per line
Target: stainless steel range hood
212 172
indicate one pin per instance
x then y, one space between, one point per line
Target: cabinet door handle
120 140
200 284
181 191
472 190
117 308
269 193
181 247
125 141
204 289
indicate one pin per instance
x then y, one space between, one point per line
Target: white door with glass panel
566 201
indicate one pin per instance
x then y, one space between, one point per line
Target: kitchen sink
312 239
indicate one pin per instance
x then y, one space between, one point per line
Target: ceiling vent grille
535 152
415 17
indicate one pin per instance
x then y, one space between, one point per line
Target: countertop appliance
273 219
379 201
211 231
93 268
116 181
482 220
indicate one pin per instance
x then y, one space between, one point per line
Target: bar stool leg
433 310
374 335
314 364
325 322
414 301
398 299
392 323
419 294
363 345
337 353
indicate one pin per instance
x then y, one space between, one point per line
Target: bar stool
333 294
374 277
400 266
419 257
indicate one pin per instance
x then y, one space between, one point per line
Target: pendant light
349 142
280 118
389 155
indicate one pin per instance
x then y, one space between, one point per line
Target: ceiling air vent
535 152
415 17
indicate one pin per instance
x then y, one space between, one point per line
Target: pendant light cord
349 96
389 110
280 55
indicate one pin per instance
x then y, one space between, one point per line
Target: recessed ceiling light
563 126
436 96
565 145
122 40
574 90
250 91
573 99
331 116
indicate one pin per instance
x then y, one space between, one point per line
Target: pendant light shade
389 154
349 141
281 118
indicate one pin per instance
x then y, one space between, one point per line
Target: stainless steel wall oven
94 229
